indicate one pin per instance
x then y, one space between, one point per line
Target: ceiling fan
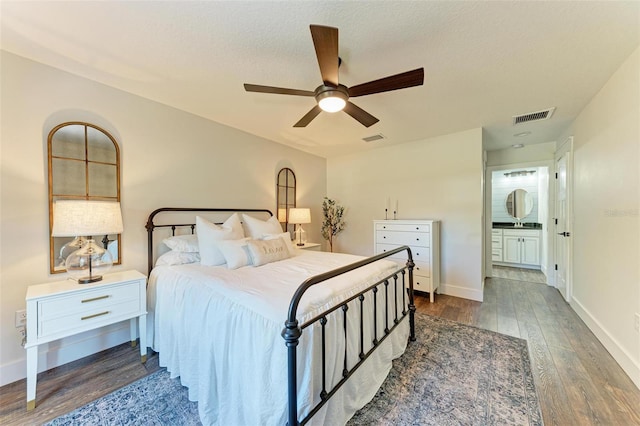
333 96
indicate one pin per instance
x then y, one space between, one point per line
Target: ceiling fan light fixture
332 100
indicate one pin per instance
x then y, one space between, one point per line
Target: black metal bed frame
292 331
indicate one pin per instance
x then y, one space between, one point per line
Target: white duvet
219 330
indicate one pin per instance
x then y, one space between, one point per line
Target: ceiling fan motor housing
325 94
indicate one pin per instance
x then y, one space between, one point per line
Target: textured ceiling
484 61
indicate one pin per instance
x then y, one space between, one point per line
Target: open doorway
518 216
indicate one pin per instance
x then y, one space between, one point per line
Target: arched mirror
286 197
519 204
84 164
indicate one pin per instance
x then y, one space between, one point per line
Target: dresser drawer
419 254
422 269
403 227
89 300
421 283
419 239
496 232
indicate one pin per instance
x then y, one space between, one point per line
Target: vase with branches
333 223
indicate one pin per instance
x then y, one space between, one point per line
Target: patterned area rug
453 374
456 375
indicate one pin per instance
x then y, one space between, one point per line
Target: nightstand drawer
89 318
88 301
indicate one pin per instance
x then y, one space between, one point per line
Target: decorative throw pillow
287 239
184 243
267 251
177 258
210 235
235 252
256 228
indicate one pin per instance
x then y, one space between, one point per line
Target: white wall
529 153
606 226
438 178
169 158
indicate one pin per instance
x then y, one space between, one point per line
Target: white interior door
562 233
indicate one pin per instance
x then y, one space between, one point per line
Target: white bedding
219 330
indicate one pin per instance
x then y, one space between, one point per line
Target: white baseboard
622 357
463 292
66 350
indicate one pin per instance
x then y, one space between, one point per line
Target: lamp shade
73 218
297 216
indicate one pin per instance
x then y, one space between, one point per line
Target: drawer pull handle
94 315
384 238
417 239
94 299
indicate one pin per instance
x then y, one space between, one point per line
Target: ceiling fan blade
366 119
394 82
325 40
308 117
277 90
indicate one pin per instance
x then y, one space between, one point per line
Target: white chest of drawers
423 237
64 308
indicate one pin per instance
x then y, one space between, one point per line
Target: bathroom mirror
519 204
286 197
84 164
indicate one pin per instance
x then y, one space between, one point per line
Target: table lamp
298 217
80 219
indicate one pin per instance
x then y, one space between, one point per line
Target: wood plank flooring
578 382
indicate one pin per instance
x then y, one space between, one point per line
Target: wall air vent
374 137
533 116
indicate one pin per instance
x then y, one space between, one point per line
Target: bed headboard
183 218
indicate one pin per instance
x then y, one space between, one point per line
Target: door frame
566 147
488 223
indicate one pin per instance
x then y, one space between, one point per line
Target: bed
307 339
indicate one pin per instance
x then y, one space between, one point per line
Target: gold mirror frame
286 197
84 164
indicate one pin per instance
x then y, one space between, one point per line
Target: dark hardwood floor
578 382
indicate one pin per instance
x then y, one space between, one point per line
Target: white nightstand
64 308
310 246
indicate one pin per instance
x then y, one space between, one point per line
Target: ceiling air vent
533 116
374 137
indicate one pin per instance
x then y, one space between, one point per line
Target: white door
562 233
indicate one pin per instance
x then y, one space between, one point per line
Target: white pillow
267 251
210 234
287 239
256 228
184 243
177 258
235 252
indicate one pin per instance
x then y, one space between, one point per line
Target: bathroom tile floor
519 274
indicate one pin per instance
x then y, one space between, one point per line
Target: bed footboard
292 331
